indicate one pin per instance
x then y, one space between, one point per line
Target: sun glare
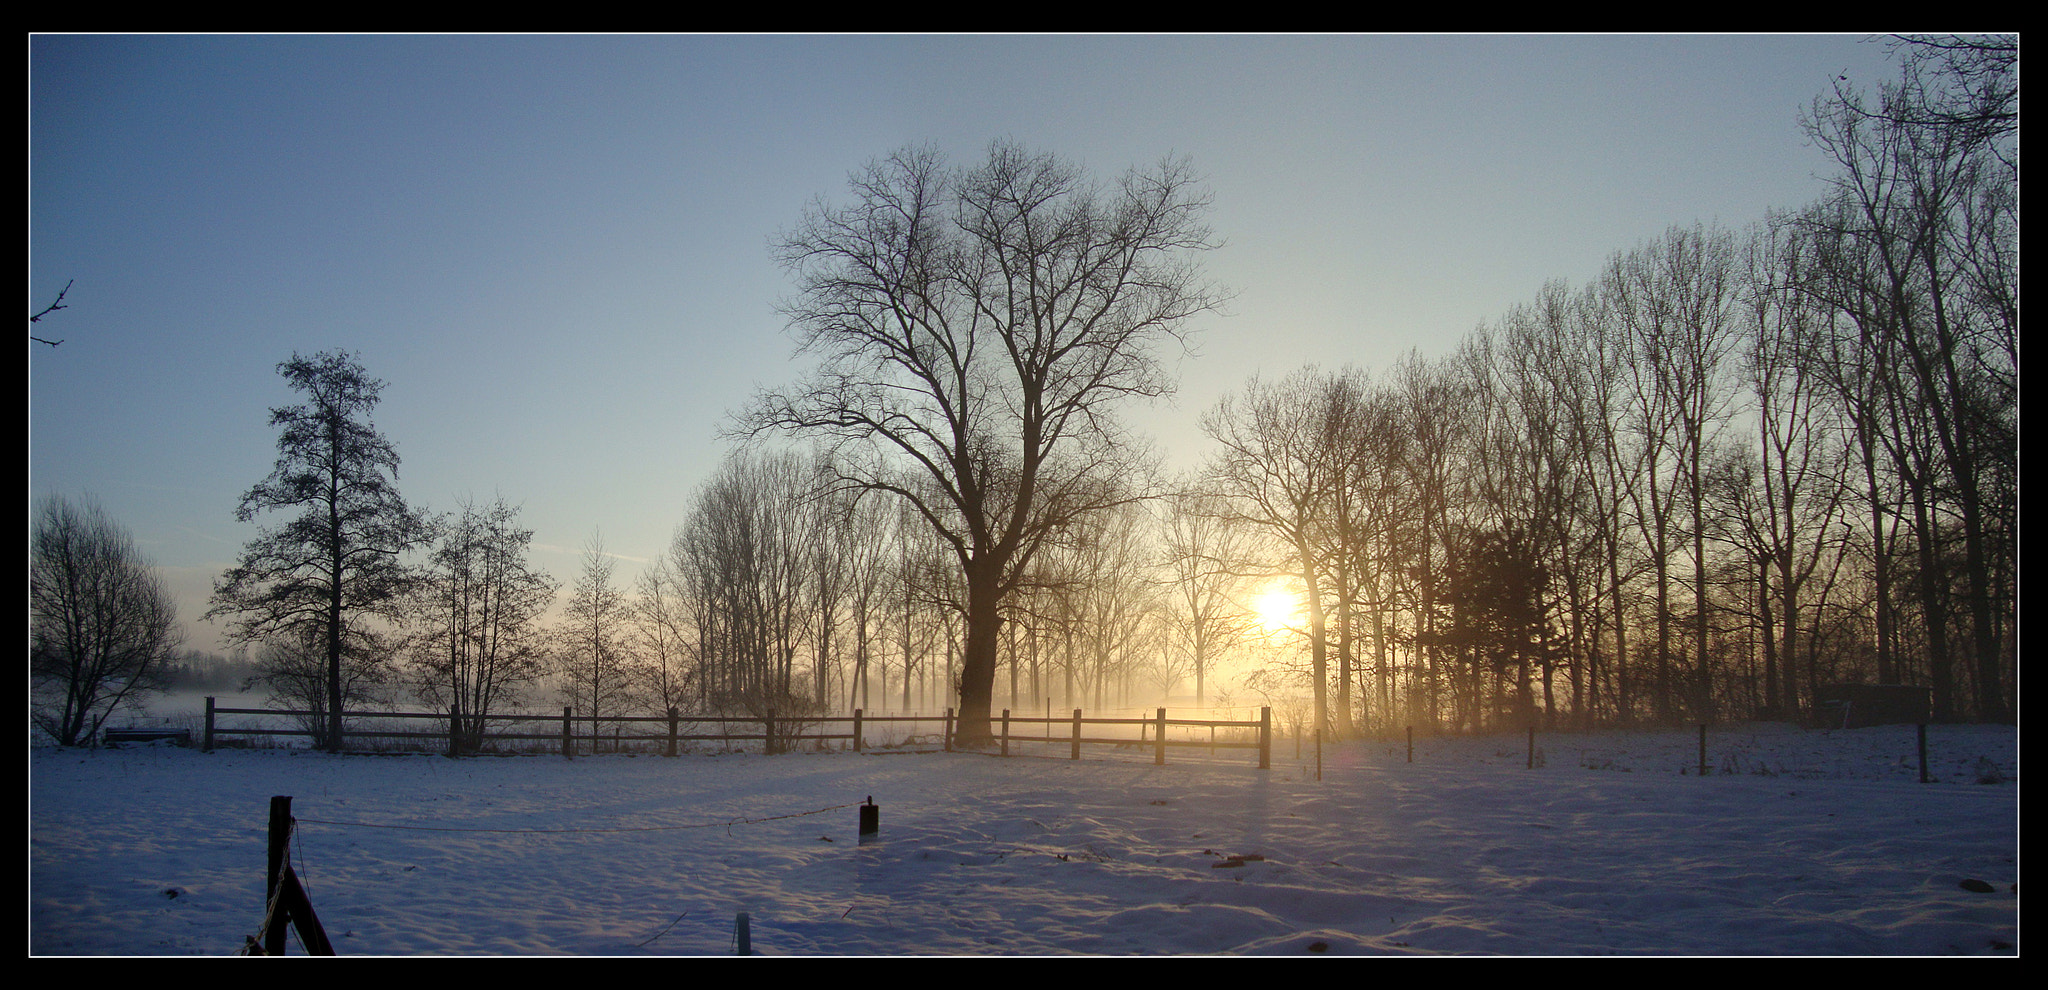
1278 608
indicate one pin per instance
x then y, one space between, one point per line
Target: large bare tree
975 330
340 561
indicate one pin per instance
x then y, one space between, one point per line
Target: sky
555 250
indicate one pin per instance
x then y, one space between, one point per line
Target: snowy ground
1796 843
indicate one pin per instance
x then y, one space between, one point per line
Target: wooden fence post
1077 733
768 733
1006 732
1923 754
280 842
454 730
947 725
672 730
568 741
1265 737
1159 757
206 741
856 730
284 899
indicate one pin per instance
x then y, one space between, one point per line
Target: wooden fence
455 733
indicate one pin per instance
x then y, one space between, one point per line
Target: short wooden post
206 741
1077 734
870 820
454 730
672 713
947 725
1265 737
1159 754
1006 732
743 935
768 733
568 741
856 730
1923 754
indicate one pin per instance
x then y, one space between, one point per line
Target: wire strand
564 831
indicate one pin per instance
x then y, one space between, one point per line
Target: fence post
1923 753
768 733
568 741
856 730
280 841
672 730
947 726
1265 737
1006 732
206 741
1077 733
1159 756
454 730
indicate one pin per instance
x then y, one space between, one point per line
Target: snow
1796 843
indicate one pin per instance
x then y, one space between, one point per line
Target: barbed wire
727 825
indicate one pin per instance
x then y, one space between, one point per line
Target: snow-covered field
1795 843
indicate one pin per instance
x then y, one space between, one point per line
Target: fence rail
457 733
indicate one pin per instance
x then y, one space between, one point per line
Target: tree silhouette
976 328
101 625
339 562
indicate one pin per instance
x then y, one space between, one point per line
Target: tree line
1730 468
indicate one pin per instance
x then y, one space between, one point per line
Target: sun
1278 608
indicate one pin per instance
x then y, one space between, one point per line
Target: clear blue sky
555 249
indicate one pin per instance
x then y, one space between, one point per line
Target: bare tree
101 625
591 650
340 562
976 329
662 662
1277 469
1925 217
477 615
749 553
1202 598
